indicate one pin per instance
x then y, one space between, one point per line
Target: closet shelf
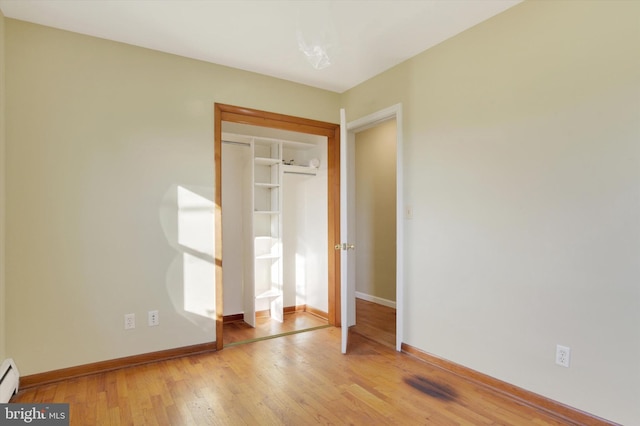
266 161
266 185
269 294
268 256
301 170
266 212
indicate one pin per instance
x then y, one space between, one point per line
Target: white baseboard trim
374 299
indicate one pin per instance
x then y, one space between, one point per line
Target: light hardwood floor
236 332
298 379
376 322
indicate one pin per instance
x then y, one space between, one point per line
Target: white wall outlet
129 321
154 318
563 355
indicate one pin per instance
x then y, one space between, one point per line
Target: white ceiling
362 38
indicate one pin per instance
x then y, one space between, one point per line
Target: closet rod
237 143
299 173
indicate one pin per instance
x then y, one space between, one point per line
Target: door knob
344 246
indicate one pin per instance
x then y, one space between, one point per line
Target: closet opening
274 195
274 226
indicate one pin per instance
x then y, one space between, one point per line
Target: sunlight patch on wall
199 291
195 236
187 219
195 222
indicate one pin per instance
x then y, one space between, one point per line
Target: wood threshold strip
287 310
114 364
523 396
273 336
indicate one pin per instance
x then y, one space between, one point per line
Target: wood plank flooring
298 379
239 331
376 322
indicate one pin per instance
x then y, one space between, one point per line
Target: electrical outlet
154 318
129 321
563 355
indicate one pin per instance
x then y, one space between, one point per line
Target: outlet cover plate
129 321
154 318
563 355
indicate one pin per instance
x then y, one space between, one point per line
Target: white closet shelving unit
263 286
267 224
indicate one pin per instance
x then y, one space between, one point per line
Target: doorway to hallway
348 217
375 212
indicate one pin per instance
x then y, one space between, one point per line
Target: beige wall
521 163
376 212
2 195
521 159
109 164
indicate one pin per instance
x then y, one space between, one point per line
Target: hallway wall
376 211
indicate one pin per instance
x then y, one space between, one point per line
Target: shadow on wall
187 220
300 273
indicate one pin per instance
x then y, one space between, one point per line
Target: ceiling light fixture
316 32
315 52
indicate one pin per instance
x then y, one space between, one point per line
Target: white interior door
347 230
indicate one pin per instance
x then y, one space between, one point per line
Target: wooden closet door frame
235 114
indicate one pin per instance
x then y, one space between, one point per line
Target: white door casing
347 216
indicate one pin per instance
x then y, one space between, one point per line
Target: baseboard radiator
9 380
